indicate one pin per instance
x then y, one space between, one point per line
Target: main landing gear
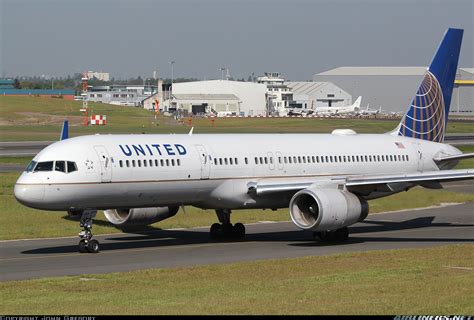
339 235
87 244
225 229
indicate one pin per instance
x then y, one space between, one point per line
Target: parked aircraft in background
370 112
353 109
324 179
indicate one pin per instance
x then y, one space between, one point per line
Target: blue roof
55 92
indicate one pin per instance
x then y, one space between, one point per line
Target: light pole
171 87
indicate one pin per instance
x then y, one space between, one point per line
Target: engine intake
326 209
139 216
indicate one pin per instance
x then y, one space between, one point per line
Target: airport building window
60 166
44 166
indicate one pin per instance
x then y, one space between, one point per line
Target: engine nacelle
326 209
139 216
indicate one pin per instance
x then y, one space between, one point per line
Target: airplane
324 179
352 109
369 112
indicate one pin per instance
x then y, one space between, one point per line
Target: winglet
64 131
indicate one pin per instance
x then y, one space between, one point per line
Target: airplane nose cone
29 193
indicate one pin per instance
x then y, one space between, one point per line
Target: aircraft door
105 163
419 156
205 161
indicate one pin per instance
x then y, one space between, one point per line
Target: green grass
16 220
403 281
467 163
37 118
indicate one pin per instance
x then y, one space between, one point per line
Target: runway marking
460 268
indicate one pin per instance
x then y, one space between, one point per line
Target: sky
297 38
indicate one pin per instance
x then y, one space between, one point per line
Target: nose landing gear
87 244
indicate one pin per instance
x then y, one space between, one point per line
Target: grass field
437 280
36 118
16 220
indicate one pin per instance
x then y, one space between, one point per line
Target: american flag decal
400 145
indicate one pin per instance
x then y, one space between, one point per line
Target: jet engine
326 209
135 217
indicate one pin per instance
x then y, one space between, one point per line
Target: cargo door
105 165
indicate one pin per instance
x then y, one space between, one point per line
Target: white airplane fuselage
209 171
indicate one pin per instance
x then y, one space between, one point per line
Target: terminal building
392 88
124 95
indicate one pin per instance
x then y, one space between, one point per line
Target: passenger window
44 166
178 161
133 163
215 161
220 161
313 158
60 166
285 159
271 160
231 161
162 162
120 163
172 162
289 159
139 163
71 166
126 162
144 163
246 160
236 162
256 160
151 163
156 162
167 162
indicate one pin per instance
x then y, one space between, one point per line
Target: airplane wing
454 157
363 184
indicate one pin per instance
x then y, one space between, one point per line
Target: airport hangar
392 88
224 97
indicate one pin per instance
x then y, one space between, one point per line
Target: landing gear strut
339 235
87 244
225 229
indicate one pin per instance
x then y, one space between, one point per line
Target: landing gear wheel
93 246
341 235
83 246
321 235
215 230
239 230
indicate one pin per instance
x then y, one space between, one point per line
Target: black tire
341 235
321 235
215 230
93 246
83 246
227 231
239 230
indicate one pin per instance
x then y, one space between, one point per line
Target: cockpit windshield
31 166
44 166
59 165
